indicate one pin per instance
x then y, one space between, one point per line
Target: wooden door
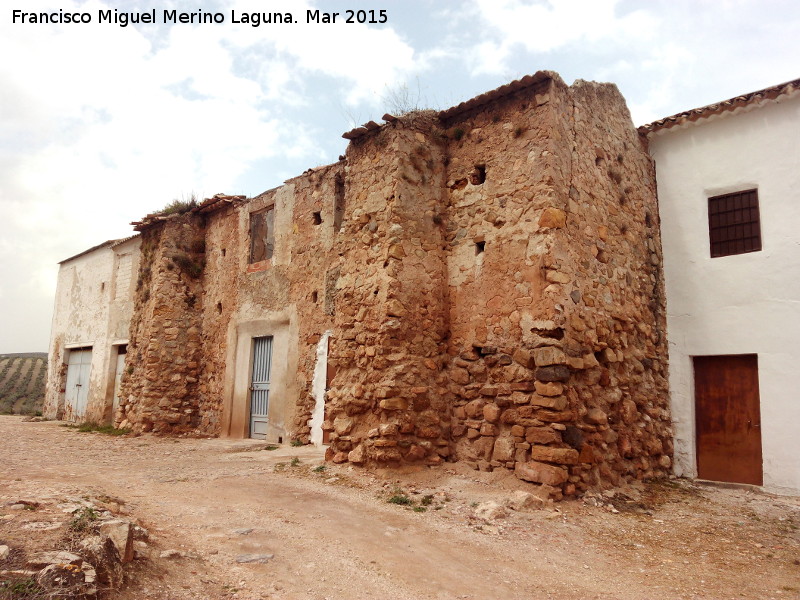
728 418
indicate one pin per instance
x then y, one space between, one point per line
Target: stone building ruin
481 284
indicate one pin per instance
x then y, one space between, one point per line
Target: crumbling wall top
216 202
500 92
448 114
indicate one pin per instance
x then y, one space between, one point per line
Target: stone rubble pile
95 547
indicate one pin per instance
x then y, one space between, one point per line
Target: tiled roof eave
107 243
732 105
123 240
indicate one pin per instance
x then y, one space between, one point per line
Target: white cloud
540 27
101 124
667 66
117 133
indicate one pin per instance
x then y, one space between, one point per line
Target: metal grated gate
259 386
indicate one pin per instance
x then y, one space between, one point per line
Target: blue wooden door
79 367
259 387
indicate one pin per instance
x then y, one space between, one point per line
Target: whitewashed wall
747 303
91 309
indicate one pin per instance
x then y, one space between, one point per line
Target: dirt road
333 534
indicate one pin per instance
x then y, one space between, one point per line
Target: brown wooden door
728 418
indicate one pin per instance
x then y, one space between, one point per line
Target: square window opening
262 234
734 224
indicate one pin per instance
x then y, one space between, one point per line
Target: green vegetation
179 206
319 469
22 382
96 428
295 461
400 499
270 447
20 589
193 268
296 443
83 519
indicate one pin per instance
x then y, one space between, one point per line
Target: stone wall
386 401
159 391
615 303
503 197
550 328
556 296
311 279
223 245
490 278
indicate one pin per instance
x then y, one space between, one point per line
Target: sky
102 124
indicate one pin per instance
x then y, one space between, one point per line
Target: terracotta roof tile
695 114
88 250
216 202
123 240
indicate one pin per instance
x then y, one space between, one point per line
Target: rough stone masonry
490 276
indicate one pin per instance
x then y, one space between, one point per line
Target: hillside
22 380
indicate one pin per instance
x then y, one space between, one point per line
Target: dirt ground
333 534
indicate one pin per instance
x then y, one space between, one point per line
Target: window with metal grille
733 224
262 234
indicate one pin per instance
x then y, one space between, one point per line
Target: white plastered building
89 334
728 180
